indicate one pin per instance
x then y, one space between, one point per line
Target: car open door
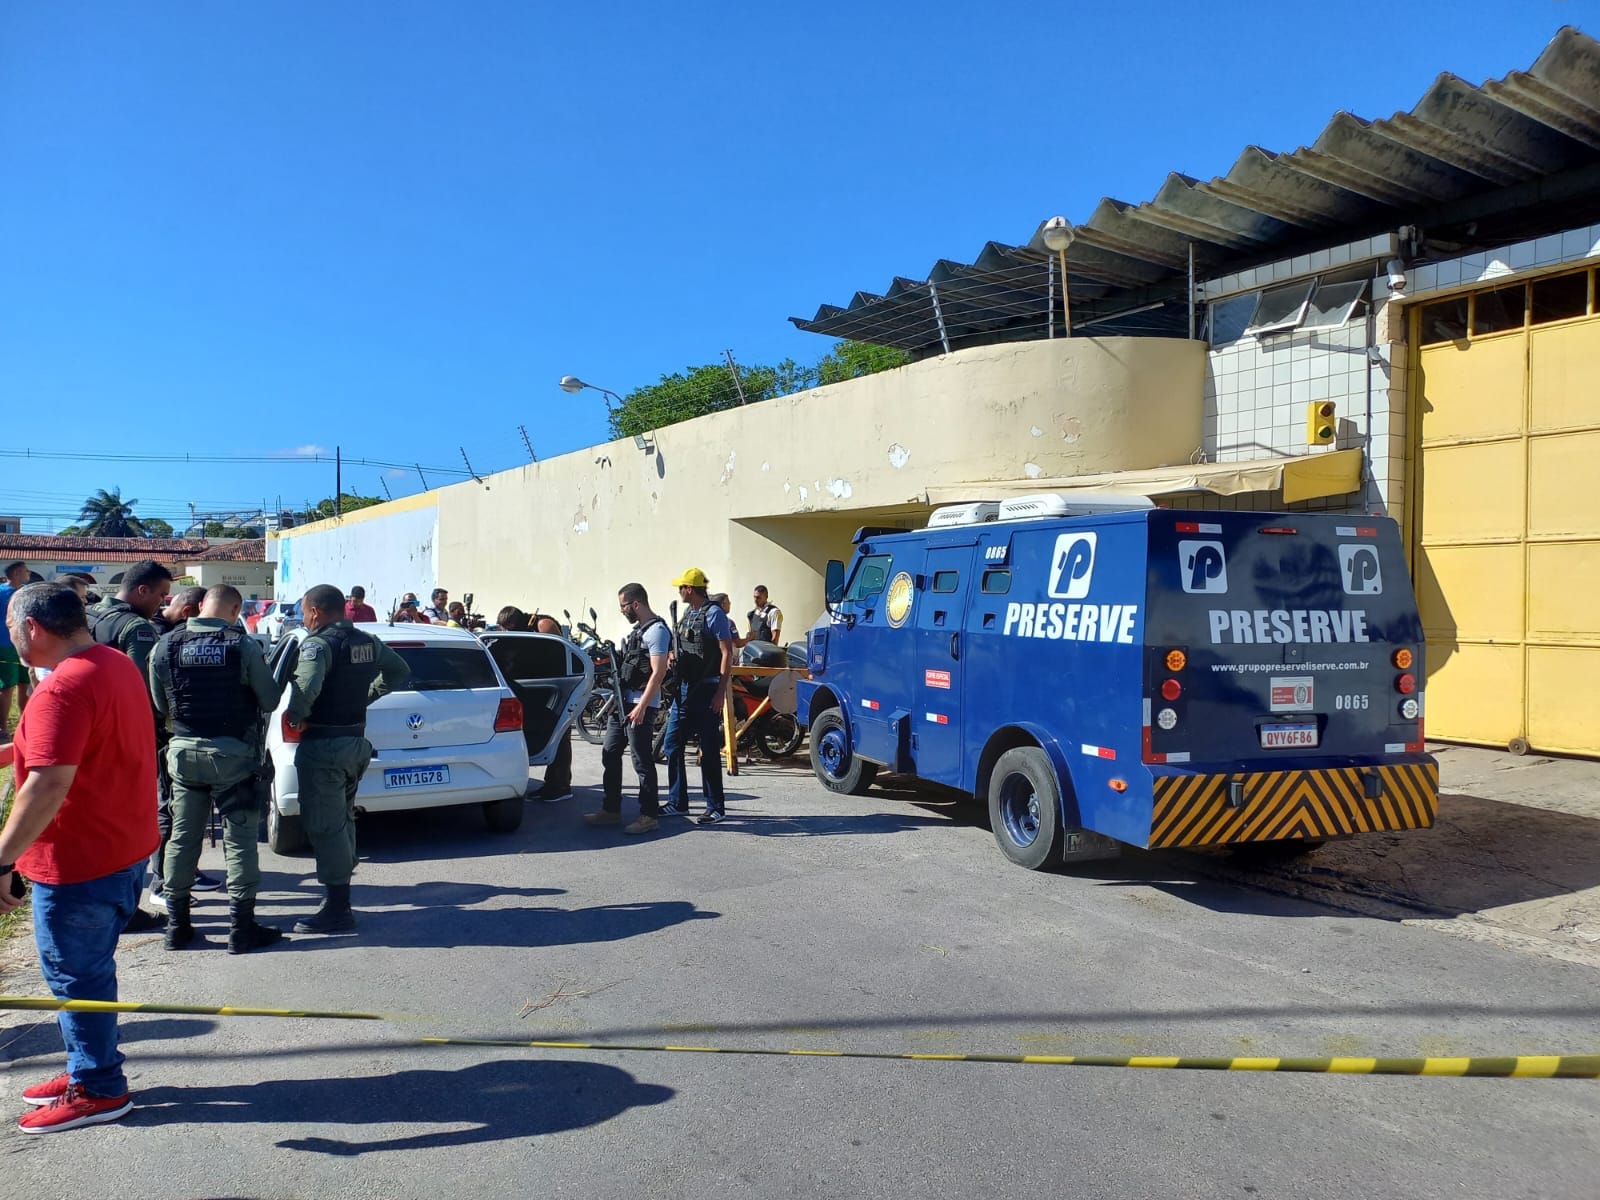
552 678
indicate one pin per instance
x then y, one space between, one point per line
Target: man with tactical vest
126 623
181 605
702 661
340 671
210 678
642 671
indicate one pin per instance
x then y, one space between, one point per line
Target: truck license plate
1276 736
415 777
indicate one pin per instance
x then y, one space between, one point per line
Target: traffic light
1320 427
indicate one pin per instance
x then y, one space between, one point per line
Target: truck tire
1025 808
832 760
284 834
504 816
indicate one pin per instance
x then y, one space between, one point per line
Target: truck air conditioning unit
1054 504
979 513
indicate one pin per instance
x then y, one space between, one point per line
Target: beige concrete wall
766 494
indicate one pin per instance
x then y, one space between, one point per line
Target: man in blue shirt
13 675
697 688
642 671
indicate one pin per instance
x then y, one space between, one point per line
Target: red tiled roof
104 549
248 550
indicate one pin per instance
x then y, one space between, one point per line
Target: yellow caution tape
1521 1066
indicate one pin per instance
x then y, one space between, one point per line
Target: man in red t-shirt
80 828
356 608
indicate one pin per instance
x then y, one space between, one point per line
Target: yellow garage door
1507 513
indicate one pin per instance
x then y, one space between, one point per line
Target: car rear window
447 668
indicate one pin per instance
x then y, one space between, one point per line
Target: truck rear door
1279 636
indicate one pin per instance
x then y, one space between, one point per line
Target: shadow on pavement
501 1101
42 1039
448 926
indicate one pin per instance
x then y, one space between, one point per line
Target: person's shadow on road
500 1101
449 926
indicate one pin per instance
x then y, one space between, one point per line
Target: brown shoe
602 818
643 825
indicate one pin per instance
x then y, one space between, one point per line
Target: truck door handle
955 646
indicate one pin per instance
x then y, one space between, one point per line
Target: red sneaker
49 1091
75 1107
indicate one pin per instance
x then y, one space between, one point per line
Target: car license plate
1276 736
415 777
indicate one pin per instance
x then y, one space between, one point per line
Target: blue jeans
693 717
75 926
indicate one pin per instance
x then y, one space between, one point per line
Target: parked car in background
458 733
283 617
250 617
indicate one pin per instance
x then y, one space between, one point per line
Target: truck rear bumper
1200 809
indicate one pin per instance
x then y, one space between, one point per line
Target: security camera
1397 274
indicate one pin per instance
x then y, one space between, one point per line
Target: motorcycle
774 734
607 696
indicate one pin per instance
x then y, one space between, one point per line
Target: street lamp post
572 385
1058 236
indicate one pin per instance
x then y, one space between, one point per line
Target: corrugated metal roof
1518 138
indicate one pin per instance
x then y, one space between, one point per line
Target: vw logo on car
414 722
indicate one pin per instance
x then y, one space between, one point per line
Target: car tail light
1177 660
290 733
508 717
1171 690
1403 659
1406 684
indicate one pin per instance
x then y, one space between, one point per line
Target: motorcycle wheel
591 720
658 742
780 735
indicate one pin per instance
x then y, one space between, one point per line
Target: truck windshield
872 574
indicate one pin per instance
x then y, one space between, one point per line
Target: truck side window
871 577
945 581
996 581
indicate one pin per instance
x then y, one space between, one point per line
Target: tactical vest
340 709
695 648
209 697
760 628
110 620
635 667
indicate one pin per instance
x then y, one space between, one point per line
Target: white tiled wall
1572 246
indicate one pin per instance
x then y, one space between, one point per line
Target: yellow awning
1303 477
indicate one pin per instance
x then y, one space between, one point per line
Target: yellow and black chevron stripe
1193 810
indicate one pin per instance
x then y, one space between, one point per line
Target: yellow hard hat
694 577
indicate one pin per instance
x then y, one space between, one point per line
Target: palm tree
107 514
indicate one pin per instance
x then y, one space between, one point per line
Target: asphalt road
807 920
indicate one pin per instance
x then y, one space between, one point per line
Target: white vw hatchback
471 720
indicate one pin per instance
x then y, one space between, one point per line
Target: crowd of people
162 692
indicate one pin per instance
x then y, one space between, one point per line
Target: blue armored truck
1103 672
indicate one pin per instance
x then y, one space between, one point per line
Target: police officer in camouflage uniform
341 670
210 678
125 622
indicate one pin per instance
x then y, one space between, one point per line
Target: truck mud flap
1269 806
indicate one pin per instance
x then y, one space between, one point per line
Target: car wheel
504 816
284 833
833 761
1025 808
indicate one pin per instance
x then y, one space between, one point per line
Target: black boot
245 935
334 916
180 933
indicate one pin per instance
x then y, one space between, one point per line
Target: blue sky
393 226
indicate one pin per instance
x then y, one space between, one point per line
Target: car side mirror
833 584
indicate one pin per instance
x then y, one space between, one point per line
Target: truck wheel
504 816
832 760
284 834
1025 808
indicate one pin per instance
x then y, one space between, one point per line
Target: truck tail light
508 717
1405 684
1177 660
1171 690
290 733
1403 659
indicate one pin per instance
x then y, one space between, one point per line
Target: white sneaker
158 901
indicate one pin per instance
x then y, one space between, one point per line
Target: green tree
157 528
347 503
71 531
107 514
218 529
711 388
